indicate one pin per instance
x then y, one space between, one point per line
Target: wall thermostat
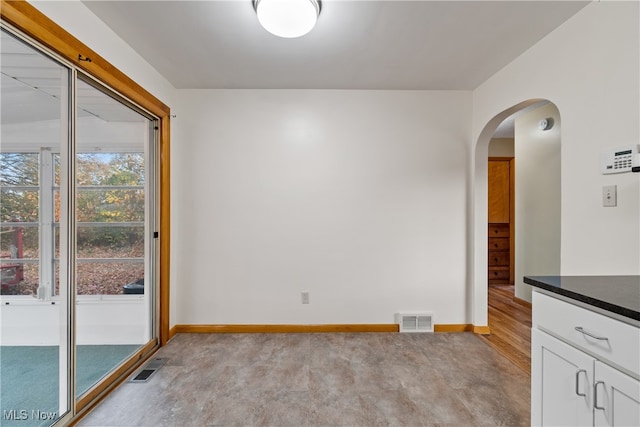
620 160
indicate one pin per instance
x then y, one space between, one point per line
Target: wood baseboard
465 327
522 302
302 329
481 330
280 329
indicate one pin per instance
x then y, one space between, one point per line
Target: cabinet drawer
498 230
498 243
498 258
560 318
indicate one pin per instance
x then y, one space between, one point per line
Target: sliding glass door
114 214
35 335
78 215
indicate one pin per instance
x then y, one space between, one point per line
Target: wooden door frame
512 213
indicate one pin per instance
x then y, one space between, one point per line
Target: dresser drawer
498 259
498 230
498 243
560 318
498 273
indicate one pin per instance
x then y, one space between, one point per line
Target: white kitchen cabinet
616 397
561 381
584 367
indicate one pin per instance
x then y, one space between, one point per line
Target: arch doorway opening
517 219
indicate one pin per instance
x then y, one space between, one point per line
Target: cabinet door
561 383
616 398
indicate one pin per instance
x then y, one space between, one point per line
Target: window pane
110 169
100 205
19 205
19 169
28 278
18 242
110 242
19 259
108 278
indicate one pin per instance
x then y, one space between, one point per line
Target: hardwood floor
510 324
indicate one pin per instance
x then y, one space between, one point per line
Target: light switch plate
609 196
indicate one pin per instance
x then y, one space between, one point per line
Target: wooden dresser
501 210
499 254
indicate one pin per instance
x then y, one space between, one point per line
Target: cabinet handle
582 331
595 395
578 382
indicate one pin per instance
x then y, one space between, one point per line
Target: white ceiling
431 45
358 44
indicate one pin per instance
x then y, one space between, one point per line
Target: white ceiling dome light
287 18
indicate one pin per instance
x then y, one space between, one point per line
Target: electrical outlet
305 297
609 196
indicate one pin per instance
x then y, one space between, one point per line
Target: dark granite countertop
617 294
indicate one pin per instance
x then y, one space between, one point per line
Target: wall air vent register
415 322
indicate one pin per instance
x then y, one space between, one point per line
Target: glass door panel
35 333
112 211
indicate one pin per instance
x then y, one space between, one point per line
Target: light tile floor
323 380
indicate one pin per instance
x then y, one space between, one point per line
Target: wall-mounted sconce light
545 124
287 18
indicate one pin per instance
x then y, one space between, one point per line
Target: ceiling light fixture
287 18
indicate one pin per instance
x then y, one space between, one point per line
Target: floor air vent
415 322
148 370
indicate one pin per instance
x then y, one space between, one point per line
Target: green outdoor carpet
29 379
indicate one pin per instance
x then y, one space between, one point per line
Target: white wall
357 197
537 194
588 67
502 147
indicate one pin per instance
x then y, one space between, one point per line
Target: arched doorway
537 191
